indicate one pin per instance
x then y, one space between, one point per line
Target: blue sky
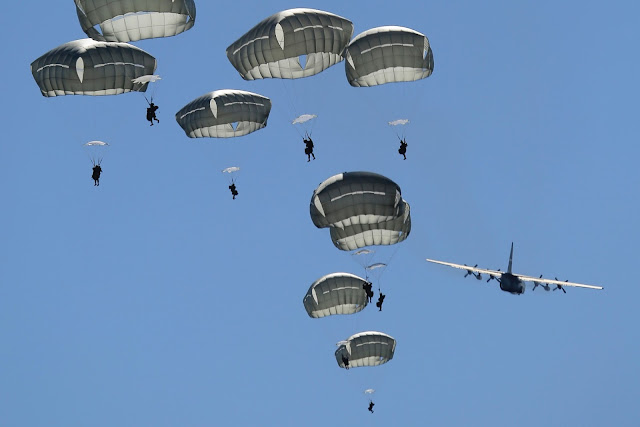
157 300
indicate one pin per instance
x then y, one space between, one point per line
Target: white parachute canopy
231 169
304 118
375 271
306 123
96 143
96 151
399 129
376 265
363 257
147 79
363 252
144 81
369 391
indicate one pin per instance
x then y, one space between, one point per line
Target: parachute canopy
399 122
131 20
376 265
291 44
335 293
96 144
146 79
390 232
355 198
96 151
366 349
361 209
231 169
388 54
363 252
88 67
224 114
303 118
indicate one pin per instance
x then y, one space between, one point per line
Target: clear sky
157 300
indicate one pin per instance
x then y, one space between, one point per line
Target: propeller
536 284
492 277
560 287
469 271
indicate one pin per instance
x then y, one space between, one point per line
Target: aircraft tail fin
510 259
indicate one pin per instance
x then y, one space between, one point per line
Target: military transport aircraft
514 283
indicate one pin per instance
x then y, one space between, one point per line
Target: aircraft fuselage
512 284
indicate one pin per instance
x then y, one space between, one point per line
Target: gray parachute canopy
88 67
224 114
274 47
335 293
355 198
388 54
366 349
358 236
131 20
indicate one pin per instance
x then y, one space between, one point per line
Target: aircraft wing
554 282
470 268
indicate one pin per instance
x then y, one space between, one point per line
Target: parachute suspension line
154 90
293 110
95 161
387 261
393 254
313 124
289 91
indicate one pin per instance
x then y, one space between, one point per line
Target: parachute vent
302 60
350 60
80 68
280 35
214 107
